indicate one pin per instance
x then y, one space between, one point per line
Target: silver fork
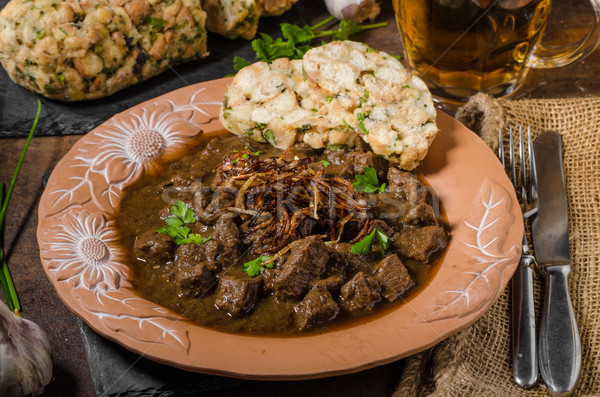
524 346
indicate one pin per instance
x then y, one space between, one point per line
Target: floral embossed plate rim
82 256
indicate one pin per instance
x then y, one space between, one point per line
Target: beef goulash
247 238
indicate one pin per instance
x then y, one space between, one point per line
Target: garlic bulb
354 10
25 364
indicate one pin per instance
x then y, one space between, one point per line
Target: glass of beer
460 47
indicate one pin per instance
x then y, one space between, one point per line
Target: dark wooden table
41 304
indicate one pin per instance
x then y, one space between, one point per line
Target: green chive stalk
5 278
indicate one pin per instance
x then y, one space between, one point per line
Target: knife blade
559 347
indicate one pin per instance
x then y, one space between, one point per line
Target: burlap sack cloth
477 361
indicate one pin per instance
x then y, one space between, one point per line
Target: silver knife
559 347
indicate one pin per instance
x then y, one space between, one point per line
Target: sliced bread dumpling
278 104
393 109
336 95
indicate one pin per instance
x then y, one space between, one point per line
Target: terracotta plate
82 256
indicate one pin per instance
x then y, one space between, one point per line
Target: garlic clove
354 10
25 363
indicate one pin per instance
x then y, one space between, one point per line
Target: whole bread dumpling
393 109
72 50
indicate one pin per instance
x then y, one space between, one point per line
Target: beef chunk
300 150
268 275
392 210
360 294
317 307
341 258
195 280
165 212
406 186
421 214
305 263
426 215
190 255
268 278
339 164
382 227
222 198
398 213
237 295
200 198
360 160
228 234
307 224
254 236
393 277
419 243
333 279
154 248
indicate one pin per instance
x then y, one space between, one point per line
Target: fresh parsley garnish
368 182
269 136
365 97
255 267
384 241
297 40
325 163
181 215
365 246
361 124
240 63
181 212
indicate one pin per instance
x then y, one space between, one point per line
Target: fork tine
522 166
532 169
513 172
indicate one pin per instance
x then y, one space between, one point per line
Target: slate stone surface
118 372
18 105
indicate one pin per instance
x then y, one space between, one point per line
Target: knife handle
524 343
559 344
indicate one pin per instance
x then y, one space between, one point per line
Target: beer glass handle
552 57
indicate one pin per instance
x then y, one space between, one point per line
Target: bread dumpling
73 50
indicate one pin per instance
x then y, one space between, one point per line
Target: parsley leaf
365 246
157 23
269 136
295 34
368 182
198 239
297 40
384 241
255 267
361 124
182 214
365 97
181 211
239 63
